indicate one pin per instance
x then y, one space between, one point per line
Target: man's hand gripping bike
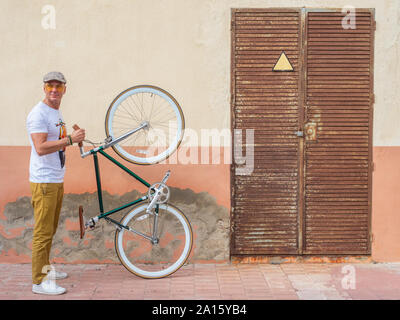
144 125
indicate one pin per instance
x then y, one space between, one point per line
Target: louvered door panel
265 217
337 164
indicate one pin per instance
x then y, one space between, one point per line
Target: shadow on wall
210 223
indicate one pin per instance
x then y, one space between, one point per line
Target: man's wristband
69 139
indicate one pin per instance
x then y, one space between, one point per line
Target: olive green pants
46 201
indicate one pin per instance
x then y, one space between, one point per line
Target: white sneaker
56 275
48 287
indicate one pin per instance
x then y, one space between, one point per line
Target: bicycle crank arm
167 174
153 202
161 193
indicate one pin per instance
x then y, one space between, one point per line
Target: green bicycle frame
99 190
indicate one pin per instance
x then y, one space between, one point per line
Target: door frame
302 66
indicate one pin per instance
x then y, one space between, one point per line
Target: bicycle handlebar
80 144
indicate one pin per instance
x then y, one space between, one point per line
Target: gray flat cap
54 75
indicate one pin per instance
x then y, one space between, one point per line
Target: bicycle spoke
138 105
131 114
152 106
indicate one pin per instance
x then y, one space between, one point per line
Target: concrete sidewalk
307 281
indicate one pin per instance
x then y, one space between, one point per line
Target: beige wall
183 46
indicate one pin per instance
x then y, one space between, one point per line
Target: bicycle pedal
90 224
81 223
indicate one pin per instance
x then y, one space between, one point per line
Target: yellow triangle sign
283 64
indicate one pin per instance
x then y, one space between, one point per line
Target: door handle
310 130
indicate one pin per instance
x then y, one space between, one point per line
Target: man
48 139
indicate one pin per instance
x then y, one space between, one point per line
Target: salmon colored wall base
200 190
80 176
213 179
386 204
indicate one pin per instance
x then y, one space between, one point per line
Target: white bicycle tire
173 104
173 267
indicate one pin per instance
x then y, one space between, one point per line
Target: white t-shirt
47 168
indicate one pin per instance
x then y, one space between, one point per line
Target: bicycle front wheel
167 251
159 110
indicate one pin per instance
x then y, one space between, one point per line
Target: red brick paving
214 282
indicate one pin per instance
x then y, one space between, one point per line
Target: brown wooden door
309 192
265 218
338 100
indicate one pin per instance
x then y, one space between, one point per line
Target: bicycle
154 239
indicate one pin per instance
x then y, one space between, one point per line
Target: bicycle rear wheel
159 258
165 120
